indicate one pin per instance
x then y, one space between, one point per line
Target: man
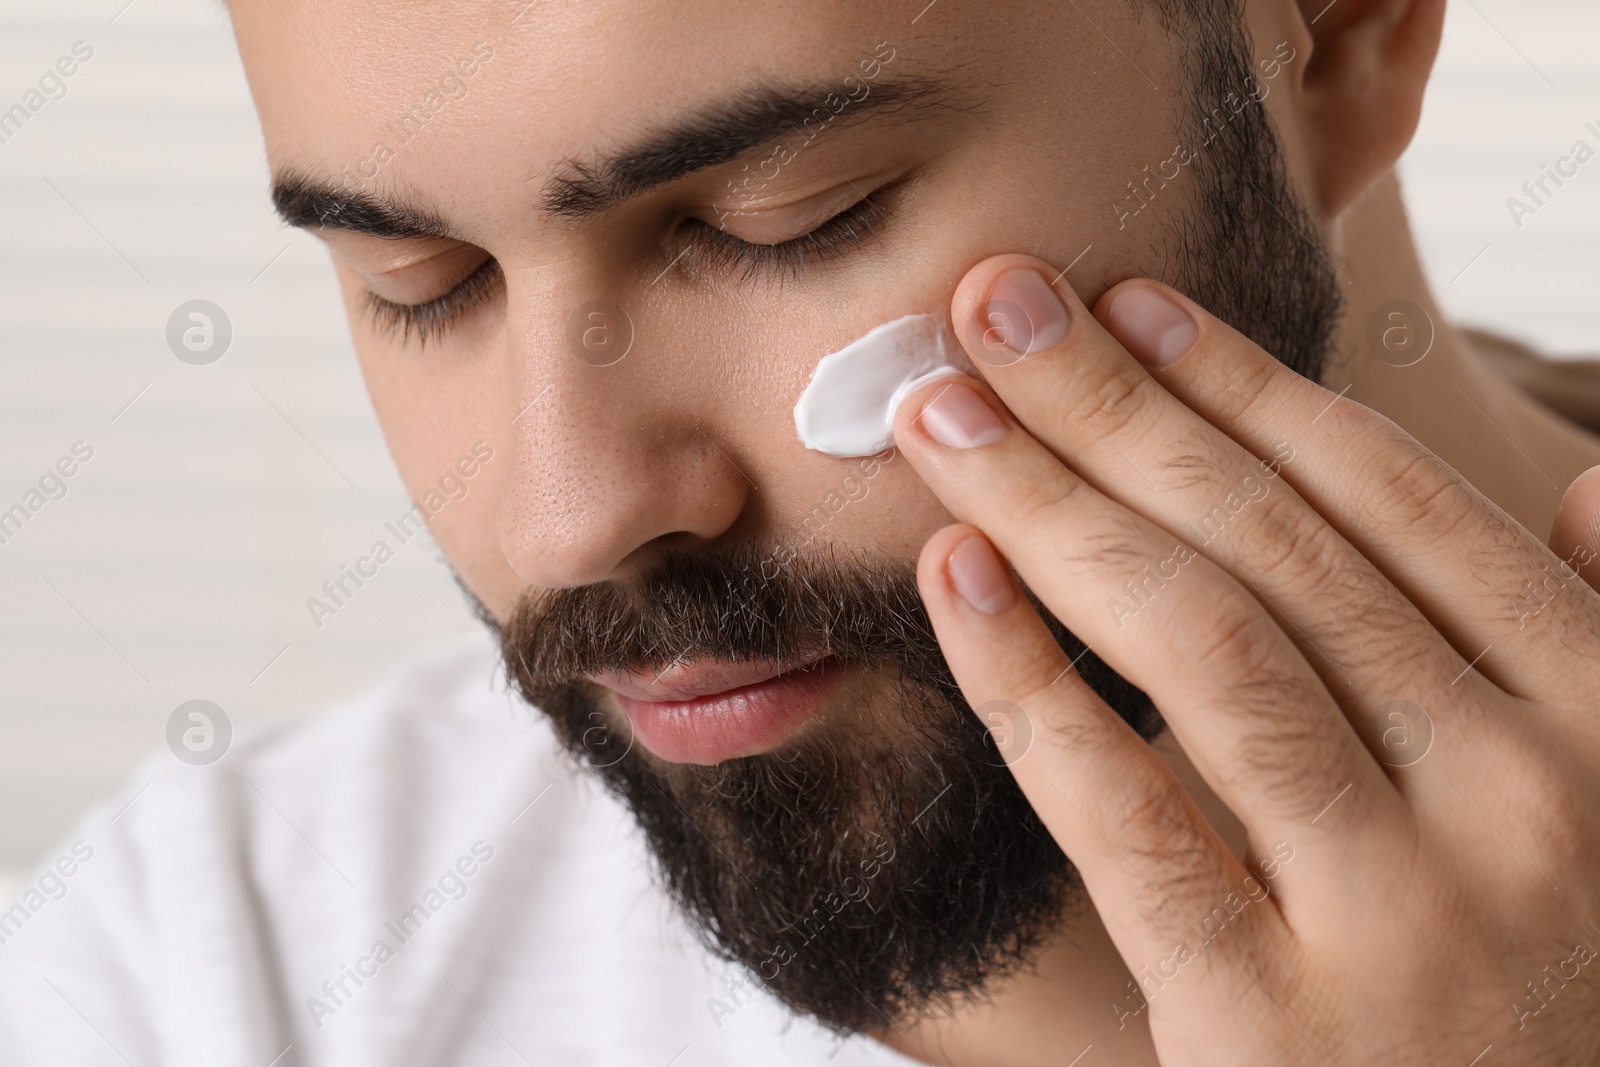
592 254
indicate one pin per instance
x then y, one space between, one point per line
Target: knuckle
1288 541
1114 403
1246 388
1072 722
1557 815
1037 511
1036 504
1220 633
1414 493
1150 815
1120 542
1279 726
1194 461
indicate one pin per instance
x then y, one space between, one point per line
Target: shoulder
371 794
392 756
234 884
1569 387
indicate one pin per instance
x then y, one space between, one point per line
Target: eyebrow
582 188
721 134
319 204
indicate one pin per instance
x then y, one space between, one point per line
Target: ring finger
1254 716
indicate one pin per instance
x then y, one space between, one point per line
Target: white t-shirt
417 879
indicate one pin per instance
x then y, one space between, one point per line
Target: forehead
546 79
517 86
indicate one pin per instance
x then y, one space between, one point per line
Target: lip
708 712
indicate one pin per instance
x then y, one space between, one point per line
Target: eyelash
720 250
438 316
840 234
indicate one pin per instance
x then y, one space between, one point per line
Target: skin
688 442
1389 578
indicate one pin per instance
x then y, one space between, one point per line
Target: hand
1392 684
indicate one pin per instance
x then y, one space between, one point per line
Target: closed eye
712 248
717 249
437 317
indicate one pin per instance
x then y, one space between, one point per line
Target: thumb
1575 536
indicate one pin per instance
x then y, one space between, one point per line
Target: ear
1361 88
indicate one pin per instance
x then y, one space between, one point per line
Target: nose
614 463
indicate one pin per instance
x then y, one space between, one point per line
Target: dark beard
864 871
1248 252
882 867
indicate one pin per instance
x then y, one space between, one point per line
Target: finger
1455 555
1149 859
1252 714
1095 406
1575 535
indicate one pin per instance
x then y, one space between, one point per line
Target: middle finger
1258 722
1097 409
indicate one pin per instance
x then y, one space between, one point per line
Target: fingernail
1023 313
1150 326
958 417
978 577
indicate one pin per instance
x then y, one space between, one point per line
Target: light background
219 498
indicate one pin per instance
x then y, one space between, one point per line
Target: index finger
1149 859
1454 554
1258 721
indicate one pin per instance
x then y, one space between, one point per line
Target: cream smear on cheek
848 408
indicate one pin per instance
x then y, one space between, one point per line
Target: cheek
835 504
751 358
435 409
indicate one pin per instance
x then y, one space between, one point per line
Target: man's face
605 244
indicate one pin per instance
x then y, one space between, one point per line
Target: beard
886 864
862 871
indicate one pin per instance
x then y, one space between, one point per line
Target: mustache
736 604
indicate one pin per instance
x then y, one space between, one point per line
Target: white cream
848 408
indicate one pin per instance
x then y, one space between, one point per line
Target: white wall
1515 83
179 563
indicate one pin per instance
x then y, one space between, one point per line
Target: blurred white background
220 497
